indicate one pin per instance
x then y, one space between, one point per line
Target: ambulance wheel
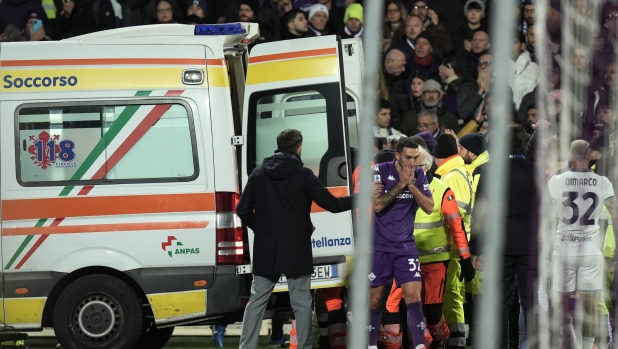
98 311
155 338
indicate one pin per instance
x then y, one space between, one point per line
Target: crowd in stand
437 69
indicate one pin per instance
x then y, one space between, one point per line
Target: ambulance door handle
24 144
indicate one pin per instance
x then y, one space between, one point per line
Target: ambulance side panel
298 84
129 188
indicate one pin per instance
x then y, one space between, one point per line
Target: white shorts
583 274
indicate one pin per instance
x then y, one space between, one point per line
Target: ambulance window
313 110
352 123
108 143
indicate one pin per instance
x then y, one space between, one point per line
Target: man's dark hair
289 140
406 142
475 6
519 140
520 37
384 104
532 106
290 16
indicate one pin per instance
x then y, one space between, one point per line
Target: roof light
219 29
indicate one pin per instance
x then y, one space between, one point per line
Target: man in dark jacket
519 255
276 205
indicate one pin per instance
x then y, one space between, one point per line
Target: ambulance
123 155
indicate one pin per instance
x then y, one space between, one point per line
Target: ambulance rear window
59 144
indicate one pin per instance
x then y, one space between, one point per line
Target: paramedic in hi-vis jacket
435 233
453 172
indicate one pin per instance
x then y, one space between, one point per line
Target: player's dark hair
289 140
406 142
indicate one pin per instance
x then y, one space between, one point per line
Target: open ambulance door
299 84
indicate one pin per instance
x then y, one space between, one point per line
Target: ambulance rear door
299 84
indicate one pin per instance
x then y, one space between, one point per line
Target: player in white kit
578 263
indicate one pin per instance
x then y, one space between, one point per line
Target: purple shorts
403 266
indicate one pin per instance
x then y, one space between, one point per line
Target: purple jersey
394 225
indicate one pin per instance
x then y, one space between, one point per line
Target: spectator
29 32
480 46
462 96
603 94
335 16
524 74
381 129
484 69
605 116
266 13
166 12
353 19
296 25
531 42
423 60
528 16
431 104
15 11
284 7
249 11
197 8
416 88
414 26
431 22
531 118
474 11
318 21
395 82
396 14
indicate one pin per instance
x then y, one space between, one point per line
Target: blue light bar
219 29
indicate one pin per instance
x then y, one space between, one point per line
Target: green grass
174 343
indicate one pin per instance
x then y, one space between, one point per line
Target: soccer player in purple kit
404 189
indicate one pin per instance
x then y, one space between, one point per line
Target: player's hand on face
377 188
404 174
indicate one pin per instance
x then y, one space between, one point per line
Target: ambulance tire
155 338
95 299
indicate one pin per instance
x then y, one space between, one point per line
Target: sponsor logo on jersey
324 242
417 275
391 178
371 277
376 178
575 238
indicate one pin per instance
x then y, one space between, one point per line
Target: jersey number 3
570 202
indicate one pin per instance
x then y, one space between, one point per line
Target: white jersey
579 196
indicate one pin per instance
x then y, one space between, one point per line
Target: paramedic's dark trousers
300 298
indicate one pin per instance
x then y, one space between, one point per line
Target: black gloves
467 270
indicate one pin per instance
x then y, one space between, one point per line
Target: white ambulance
123 156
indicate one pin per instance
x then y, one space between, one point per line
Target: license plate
320 272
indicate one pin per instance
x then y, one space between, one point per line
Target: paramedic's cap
477 4
428 139
315 9
431 83
474 143
446 147
253 4
32 13
200 3
353 11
